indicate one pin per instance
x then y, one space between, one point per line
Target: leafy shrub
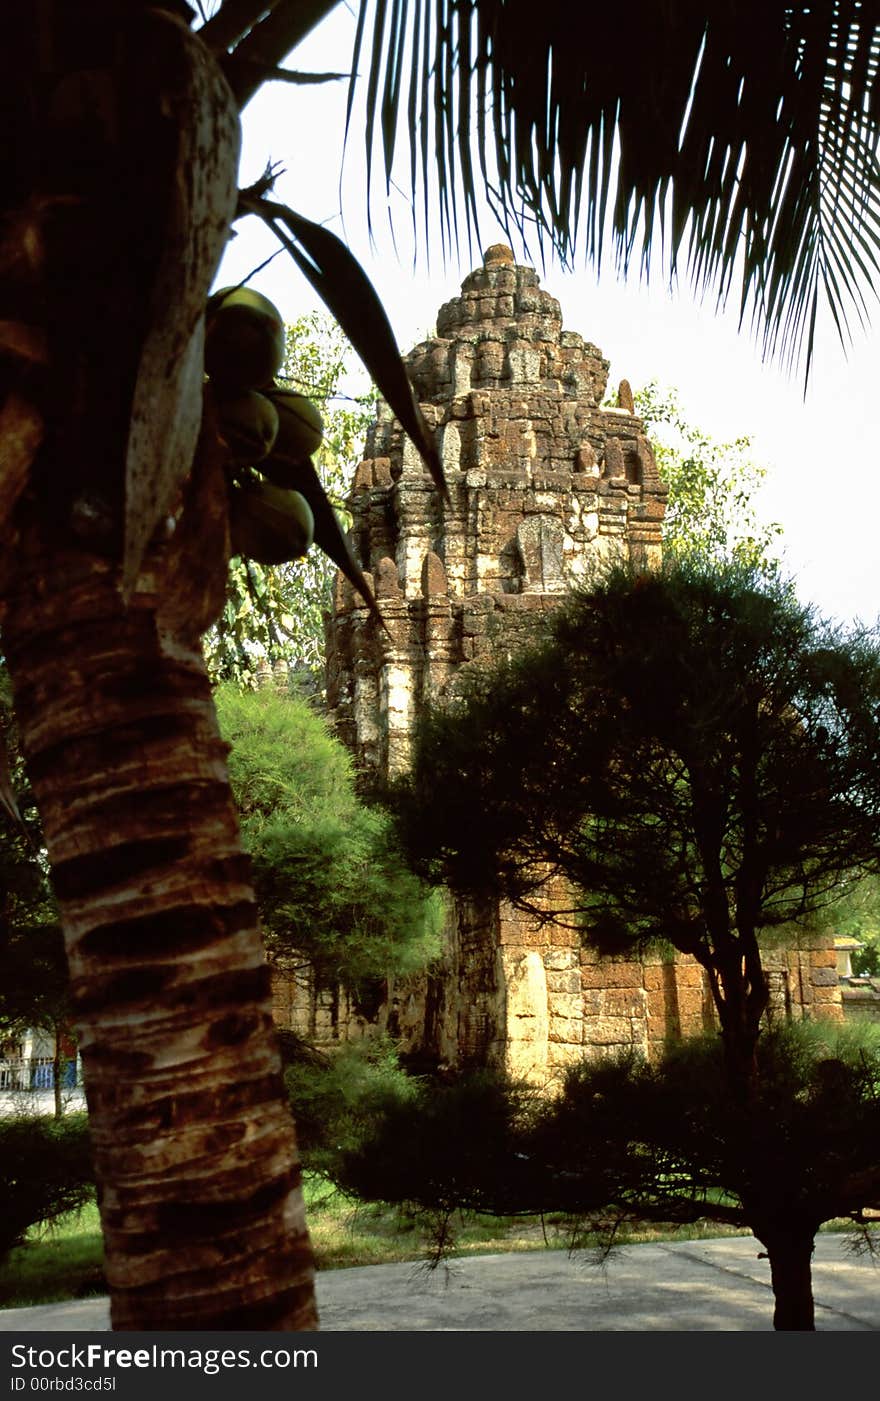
45 1170
335 1099
331 885
662 1142
447 1145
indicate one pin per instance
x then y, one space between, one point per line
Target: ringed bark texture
195 1153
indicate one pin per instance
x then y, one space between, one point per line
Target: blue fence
36 1073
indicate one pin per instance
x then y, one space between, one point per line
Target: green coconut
270 524
244 339
248 425
300 426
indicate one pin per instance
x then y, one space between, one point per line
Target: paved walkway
699 1286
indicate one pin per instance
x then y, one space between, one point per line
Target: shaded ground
696 1286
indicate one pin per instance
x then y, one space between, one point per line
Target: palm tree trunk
790 1252
195 1155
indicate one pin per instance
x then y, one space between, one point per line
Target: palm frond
349 295
262 37
741 135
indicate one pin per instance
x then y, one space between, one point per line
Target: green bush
330 883
45 1170
453 1143
336 1099
663 1142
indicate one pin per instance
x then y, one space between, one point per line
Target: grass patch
64 1260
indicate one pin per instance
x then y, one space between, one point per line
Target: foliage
337 1100
667 1142
710 511
660 1142
624 1141
33 966
866 961
278 613
740 141
693 752
45 1170
856 915
448 1146
332 888
62 1259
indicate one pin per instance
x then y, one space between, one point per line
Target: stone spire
543 478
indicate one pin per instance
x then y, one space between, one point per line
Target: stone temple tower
545 481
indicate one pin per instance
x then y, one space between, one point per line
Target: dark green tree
623 1142
697 754
668 1143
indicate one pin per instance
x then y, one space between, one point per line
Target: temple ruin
545 480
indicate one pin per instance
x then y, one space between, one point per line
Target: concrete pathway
699 1286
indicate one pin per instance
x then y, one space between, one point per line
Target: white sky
822 451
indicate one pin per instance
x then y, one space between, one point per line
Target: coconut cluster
269 432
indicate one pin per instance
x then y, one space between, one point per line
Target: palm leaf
256 38
347 292
746 135
302 476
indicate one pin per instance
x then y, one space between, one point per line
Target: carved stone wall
545 482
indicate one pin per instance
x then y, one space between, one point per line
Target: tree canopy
621 1141
694 752
711 509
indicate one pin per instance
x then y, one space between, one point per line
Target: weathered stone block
567 1004
626 1002
824 977
558 959
657 1005
561 1054
828 1012
569 1030
690 1002
434 579
608 1031
569 982
654 976
387 580
382 473
562 938
688 974
823 958
826 993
